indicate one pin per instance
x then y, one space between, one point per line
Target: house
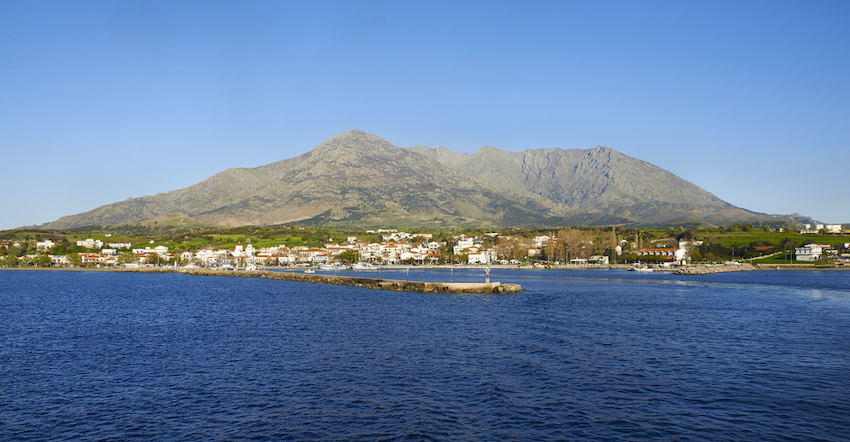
312 255
482 257
45 245
90 243
672 254
598 259
540 241
59 260
162 251
810 252
462 244
618 249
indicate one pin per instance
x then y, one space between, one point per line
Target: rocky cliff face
356 177
595 181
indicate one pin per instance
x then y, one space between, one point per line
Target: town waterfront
578 355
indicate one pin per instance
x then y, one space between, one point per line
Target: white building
44 245
598 259
672 254
483 257
162 251
810 252
540 241
90 243
463 243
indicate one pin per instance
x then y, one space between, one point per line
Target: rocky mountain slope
359 178
595 181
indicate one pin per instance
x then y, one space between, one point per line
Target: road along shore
369 283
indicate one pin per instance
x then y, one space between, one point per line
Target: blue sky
103 101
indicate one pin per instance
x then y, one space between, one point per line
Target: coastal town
567 247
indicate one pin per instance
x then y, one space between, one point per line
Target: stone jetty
370 283
708 270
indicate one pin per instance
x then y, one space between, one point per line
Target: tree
611 253
9 260
127 257
694 254
74 259
349 256
519 251
13 251
574 242
42 260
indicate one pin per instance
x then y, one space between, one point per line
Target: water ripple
578 356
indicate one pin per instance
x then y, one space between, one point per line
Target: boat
334 266
363 266
641 269
309 271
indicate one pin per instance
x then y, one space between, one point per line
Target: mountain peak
354 141
360 177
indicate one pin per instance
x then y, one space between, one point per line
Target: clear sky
103 101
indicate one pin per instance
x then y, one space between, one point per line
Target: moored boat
363 266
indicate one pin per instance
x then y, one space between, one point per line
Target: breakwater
708 270
370 283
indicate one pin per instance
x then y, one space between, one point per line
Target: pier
356 281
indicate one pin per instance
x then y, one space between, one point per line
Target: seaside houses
676 254
472 247
810 252
162 251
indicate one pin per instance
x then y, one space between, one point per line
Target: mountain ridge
356 177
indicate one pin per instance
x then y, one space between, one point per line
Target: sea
596 355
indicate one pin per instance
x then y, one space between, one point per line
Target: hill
356 178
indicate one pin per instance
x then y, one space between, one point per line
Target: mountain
357 178
595 181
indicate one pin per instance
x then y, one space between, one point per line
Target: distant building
672 254
810 252
44 245
90 243
598 259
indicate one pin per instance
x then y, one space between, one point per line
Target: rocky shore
370 283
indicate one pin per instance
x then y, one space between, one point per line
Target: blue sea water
580 355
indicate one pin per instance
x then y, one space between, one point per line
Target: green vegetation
761 244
